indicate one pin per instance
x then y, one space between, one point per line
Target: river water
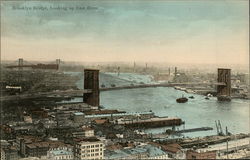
197 112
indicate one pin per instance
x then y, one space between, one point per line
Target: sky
147 31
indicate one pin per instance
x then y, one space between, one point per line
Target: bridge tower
58 61
20 63
224 91
91 82
134 66
20 69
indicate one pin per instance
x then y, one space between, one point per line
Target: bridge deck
80 92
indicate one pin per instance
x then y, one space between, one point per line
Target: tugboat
182 99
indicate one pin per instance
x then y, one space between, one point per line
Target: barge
152 122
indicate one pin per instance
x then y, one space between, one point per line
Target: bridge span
44 94
73 93
158 85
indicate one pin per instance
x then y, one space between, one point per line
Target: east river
197 112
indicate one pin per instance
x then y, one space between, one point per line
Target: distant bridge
25 64
37 66
81 92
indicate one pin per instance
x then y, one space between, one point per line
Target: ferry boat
182 99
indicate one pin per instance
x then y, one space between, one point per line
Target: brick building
89 148
191 154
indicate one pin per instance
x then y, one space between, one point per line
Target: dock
189 130
172 132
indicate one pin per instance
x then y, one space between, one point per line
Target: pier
177 132
189 130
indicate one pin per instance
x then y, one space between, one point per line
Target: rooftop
61 152
100 121
45 144
119 114
148 149
173 148
78 113
87 128
90 139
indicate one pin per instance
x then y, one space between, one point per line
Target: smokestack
134 66
175 71
118 71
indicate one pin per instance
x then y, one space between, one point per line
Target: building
2 154
88 132
40 149
31 146
21 127
147 151
83 132
116 116
48 123
78 117
63 115
191 154
180 78
11 153
90 148
100 121
8 151
174 150
34 158
39 113
23 141
60 154
27 119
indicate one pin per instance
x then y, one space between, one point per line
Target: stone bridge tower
91 82
224 91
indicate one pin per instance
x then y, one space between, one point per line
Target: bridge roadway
157 85
80 92
45 94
